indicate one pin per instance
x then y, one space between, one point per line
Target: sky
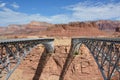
57 11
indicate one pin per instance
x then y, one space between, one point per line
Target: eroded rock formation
89 28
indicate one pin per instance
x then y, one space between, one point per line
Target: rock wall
75 29
89 28
108 25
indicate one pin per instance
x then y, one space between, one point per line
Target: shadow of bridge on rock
42 62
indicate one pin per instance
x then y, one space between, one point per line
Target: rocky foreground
40 66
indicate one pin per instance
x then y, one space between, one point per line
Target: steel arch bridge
14 50
106 52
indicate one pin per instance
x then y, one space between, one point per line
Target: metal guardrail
12 51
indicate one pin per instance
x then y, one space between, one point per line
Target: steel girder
106 52
12 51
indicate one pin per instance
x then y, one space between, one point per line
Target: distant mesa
36 23
88 28
108 25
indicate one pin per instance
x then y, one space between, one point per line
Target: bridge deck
25 39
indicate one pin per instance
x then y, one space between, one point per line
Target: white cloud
2 5
118 18
60 18
15 5
79 12
8 16
94 11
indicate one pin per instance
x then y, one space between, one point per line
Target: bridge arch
14 50
106 53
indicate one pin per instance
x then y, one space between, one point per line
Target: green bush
76 53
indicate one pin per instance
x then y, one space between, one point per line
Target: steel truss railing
106 52
14 50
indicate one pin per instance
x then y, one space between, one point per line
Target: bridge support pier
49 47
75 45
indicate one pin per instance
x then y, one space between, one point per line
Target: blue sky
57 11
